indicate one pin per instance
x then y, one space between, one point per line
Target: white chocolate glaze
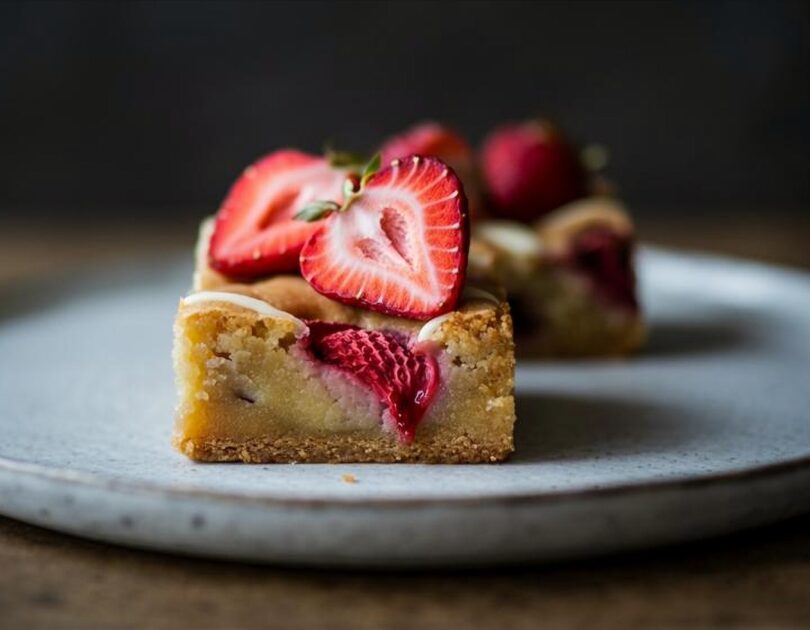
260 306
515 238
431 327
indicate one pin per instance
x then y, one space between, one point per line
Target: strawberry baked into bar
550 231
331 321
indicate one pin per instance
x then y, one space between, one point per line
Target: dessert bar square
380 351
256 385
570 279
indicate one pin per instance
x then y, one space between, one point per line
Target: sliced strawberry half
255 233
404 379
438 140
400 247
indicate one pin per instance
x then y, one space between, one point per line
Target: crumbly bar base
248 393
455 449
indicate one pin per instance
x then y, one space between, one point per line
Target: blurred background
144 112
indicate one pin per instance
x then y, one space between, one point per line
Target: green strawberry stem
317 210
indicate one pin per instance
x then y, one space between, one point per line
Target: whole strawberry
530 169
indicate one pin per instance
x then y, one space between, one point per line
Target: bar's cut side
259 381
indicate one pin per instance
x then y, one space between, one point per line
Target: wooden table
754 579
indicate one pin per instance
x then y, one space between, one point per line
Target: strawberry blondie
570 279
312 380
380 351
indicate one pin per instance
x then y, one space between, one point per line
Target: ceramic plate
705 433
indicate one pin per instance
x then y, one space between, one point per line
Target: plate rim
99 482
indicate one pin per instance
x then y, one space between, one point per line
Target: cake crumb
349 478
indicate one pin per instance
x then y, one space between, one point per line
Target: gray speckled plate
707 432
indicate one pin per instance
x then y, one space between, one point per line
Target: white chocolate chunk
431 327
514 238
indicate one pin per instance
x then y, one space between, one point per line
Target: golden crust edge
345 449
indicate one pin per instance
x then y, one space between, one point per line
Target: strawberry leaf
317 210
372 167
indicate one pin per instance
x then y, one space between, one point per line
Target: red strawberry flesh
605 257
404 380
400 248
530 169
437 140
255 233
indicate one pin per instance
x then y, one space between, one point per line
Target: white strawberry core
382 238
383 244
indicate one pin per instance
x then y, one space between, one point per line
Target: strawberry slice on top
255 233
399 243
438 140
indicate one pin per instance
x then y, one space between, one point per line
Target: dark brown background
110 107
